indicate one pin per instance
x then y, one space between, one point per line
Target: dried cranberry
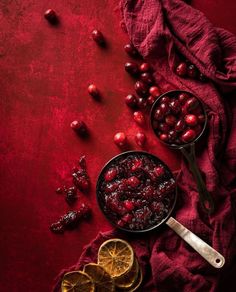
79 127
131 68
140 139
131 100
98 37
139 118
120 139
181 69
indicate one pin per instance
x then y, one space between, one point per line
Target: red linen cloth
161 30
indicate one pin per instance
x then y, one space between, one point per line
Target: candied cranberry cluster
178 118
136 191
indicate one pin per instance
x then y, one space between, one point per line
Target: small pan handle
206 251
205 197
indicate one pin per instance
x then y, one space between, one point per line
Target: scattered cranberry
145 67
141 88
139 118
110 174
79 127
131 68
188 136
170 120
191 120
151 99
131 101
181 69
51 16
147 77
93 91
140 139
120 139
98 37
142 103
154 91
131 50
192 71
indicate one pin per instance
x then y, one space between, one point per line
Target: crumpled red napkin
160 30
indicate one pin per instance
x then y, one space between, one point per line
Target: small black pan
188 150
206 251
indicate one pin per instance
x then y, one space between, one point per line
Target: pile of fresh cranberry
178 118
136 191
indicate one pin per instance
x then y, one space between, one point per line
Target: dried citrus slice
77 281
135 286
103 281
116 256
128 279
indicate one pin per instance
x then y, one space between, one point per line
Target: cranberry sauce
136 191
178 118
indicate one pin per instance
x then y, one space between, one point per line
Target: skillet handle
205 197
206 251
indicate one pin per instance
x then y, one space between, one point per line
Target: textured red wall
45 71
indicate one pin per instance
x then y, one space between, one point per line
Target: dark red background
45 71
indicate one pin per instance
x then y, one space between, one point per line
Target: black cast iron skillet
188 150
206 251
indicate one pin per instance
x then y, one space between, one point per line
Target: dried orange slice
116 256
128 279
135 286
103 281
77 281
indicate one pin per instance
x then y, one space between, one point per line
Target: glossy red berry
154 91
188 136
201 119
180 125
129 205
147 77
51 16
141 88
183 97
120 139
79 127
151 99
131 50
175 106
140 139
192 71
170 120
145 67
164 137
141 102
131 101
165 99
93 91
159 115
181 69
191 120
190 105
139 118
163 127
98 37
132 68
159 171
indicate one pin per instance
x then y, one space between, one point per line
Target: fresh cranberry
141 88
147 77
154 91
129 205
159 115
131 100
164 127
140 139
145 67
191 120
151 99
159 171
120 139
190 105
131 50
188 135
170 120
141 102
172 135
165 99
98 37
183 97
164 107
139 118
79 127
93 91
110 174
180 125
175 106
51 16
192 71
181 69
131 68
133 181
164 137
201 119
202 77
